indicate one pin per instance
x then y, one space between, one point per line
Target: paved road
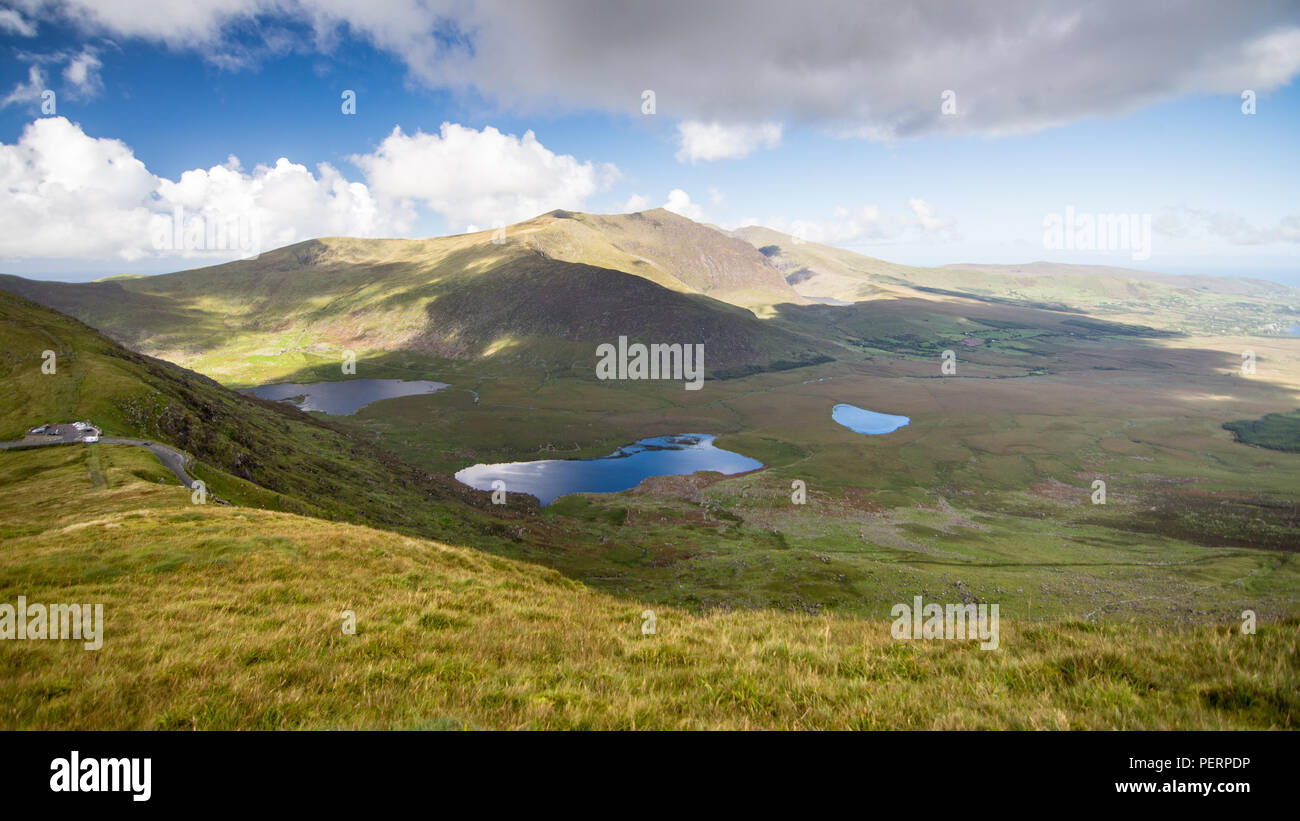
174 460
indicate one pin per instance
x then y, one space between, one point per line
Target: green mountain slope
250 450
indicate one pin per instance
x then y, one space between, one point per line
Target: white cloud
859 223
66 194
635 203
679 202
716 141
867 224
178 25
285 202
1263 63
930 222
715 196
844 225
29 91
82 74
1192 223
11 22
480 177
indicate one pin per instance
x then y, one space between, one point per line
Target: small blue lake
624 469
346 397
861 420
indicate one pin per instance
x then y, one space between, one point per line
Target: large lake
622 470
346 397
861 420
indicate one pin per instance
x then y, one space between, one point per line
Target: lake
861 420
826 300
346 397
624 469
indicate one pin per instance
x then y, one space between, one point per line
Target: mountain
668 249
1192 304
819 272
549 288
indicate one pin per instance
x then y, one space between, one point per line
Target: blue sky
887 174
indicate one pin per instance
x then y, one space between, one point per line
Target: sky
146 136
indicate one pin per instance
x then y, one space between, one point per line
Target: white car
91 438
80 425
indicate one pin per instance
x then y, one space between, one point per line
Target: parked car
80 425
40 429
51 431
91 438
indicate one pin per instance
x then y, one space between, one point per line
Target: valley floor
989 492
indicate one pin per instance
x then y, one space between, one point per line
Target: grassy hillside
228 617
822 272
1193 304
248 449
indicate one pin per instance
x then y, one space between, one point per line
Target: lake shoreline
622 470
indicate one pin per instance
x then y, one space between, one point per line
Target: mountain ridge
467 296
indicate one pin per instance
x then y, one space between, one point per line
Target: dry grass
230 618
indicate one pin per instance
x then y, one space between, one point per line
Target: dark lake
550 479
346 397
861 420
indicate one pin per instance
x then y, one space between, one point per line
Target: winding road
174 460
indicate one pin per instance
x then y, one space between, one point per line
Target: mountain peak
667 248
